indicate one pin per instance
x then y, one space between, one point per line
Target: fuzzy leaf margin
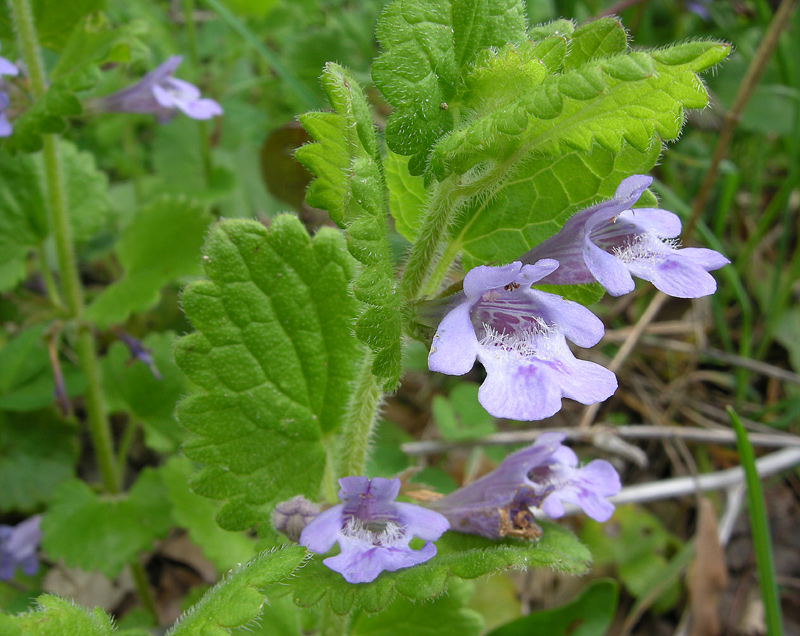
459 555
274 356
350 185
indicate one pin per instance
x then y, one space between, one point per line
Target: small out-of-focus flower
610 242
520 336
139 352
373 530
699 8
160 94
542 475
290 517
18 545
6 68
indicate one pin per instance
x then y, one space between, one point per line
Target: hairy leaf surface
274 355
238 599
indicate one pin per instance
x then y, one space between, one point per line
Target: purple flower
290 517
139 352
6 68
542 475
160 94
609 243
18 546
373 530
520 336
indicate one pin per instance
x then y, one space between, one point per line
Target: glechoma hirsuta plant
514 160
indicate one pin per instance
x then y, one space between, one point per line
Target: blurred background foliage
261 60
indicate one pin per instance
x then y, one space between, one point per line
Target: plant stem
143 590
49 282
432 233
361 418
65 250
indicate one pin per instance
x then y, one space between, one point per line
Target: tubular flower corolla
610 243
543 475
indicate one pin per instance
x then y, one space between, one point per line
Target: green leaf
597 39
534 205
56 616
350 186
759 525
130 386
160 245
86 189
179 166
426 45
407 195
55 19
445 616
590 614
26 376
626 97
238 599
23 209
94 42
48 114
95 532
196 514
23 216
637 543
459 416
37 453
460 556
275 356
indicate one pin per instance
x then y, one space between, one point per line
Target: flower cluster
18 545
6 68
519 334
160 94
373 530
543 475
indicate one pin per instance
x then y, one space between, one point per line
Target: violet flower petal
358 565
160 94
18 546
545 474
7 67
322 532
5 127
609 242
455 345
372 530
519 335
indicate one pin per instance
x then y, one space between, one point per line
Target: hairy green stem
49 282
362 414
424 273
65 250
432 234
329 485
